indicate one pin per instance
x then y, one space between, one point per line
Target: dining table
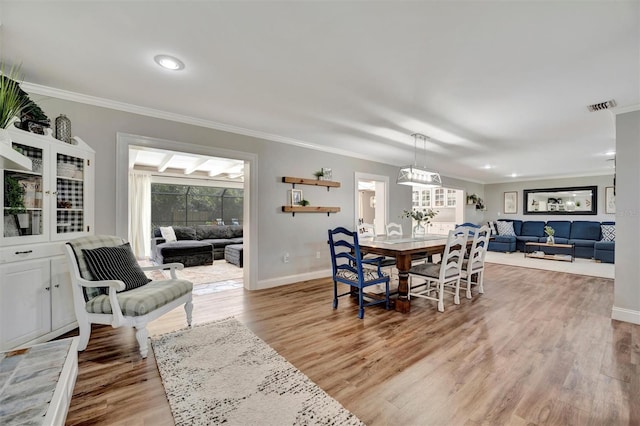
403 248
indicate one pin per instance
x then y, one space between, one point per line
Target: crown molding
624 110
164 115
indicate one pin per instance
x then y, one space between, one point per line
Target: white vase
550 239
23 220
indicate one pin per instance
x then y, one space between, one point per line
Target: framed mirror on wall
575 200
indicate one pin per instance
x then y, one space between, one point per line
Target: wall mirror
561 201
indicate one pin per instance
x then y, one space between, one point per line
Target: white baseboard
290 279
626 315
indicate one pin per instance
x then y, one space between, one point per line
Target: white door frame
358 176
250 219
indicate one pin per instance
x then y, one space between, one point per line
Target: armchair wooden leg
188 308
85 334
142 336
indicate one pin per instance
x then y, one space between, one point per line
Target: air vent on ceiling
602 105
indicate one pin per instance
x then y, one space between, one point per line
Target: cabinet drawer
28 252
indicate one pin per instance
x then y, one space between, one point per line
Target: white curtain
140 214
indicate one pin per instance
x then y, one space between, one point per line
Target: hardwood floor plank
538 347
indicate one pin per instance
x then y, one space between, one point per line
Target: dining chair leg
361 304
335 295
469 286
456 294
441 296
481 282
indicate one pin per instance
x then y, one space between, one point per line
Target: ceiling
500 88
173 163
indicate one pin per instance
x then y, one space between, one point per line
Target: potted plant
318 174
550 233
14 200
420 216
304 202
12 102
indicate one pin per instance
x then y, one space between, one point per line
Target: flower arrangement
549 231
424 215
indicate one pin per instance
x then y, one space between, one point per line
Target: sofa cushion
532 228
184 232
142 300
528 238
236 240
184 247
505 228
235 231
582 243
504 238
211 232
562 228
605 245
219 242
115 263
608 232
585 230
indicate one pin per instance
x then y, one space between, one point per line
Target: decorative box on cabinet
35 287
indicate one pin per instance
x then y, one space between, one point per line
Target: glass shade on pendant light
415 175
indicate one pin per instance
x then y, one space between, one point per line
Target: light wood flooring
538 347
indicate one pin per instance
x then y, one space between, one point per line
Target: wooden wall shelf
309 209
314 182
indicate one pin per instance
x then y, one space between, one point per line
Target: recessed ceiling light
610 153
487 166
169 62
514 175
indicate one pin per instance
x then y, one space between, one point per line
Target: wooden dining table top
391 246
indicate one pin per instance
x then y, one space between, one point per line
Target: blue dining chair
347 264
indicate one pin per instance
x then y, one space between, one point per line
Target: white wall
626 303
300 236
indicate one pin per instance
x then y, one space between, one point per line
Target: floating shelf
309 209
313 182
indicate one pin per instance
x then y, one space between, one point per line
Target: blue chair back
345 252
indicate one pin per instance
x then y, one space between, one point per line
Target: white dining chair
474 264
366 230
394 229
445 275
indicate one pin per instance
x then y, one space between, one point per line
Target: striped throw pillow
115 263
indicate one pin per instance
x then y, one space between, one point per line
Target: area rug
221 270
220 372
579 266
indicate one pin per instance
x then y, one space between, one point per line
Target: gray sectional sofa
195 245
586 235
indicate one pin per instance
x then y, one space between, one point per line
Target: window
416 198
185 205
426 198
451 197
438 197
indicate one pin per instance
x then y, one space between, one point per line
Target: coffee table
568 257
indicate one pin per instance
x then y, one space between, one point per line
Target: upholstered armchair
109 287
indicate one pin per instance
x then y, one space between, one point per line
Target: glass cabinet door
69 194
23 196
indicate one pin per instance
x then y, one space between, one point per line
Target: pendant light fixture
419 175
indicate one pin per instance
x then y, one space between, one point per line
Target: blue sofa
586 235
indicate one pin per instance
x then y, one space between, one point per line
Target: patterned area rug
220 372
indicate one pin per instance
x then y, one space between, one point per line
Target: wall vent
602 105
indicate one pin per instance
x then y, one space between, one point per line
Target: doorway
371 201
250 217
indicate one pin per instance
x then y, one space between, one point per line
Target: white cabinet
52 202
35 301
42 209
